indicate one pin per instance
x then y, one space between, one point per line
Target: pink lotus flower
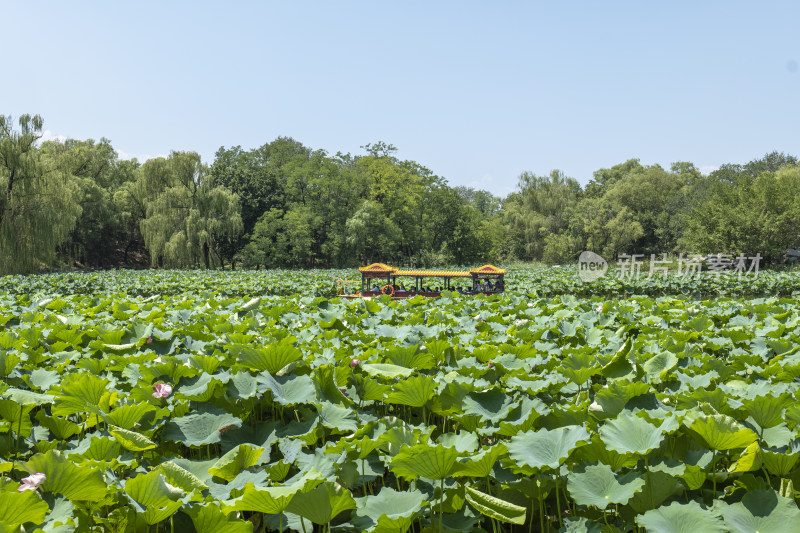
489 364
162 390
149 340
599 308
354 363
32 482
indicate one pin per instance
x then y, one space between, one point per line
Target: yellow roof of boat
434 273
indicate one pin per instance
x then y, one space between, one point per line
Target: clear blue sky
476 91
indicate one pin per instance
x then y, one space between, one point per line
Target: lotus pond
238 402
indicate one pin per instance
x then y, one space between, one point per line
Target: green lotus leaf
372 390
322 504
395 438
339 419
74 482
450 398
79 392
61 518
198 469
153 496
229 465
388 511
272 358
598 485
495 507
209 518
480 464
658 364
201 388
180 477
749 459
597 451
523 416
621 366
761 510
463 441
580 366
700 323
767 411
581 524
432 462
628 433
242 386
546 448
287 390
127 416
658 487
18 416
249 306
681 518
274 500
8 361
25 397
779 461
386 370
490 406
201 428
327 386
18 508
410 357
364 441
414 391
721 432
777 436
611 400
121 348
43 379
130 440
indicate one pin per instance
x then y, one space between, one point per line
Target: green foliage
188 215
38 206
649 410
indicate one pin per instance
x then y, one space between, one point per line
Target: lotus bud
354 363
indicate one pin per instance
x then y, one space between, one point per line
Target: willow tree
189 217
37 203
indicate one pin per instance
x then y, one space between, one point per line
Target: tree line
285 205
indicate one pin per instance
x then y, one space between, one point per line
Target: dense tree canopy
38 204
285 205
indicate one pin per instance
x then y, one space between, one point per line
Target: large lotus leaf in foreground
152 495
761 510
681 518
209 518
546 448
199 429
17 508
322 504
721 432
432 462
628 433
75 482
389 511
597 485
